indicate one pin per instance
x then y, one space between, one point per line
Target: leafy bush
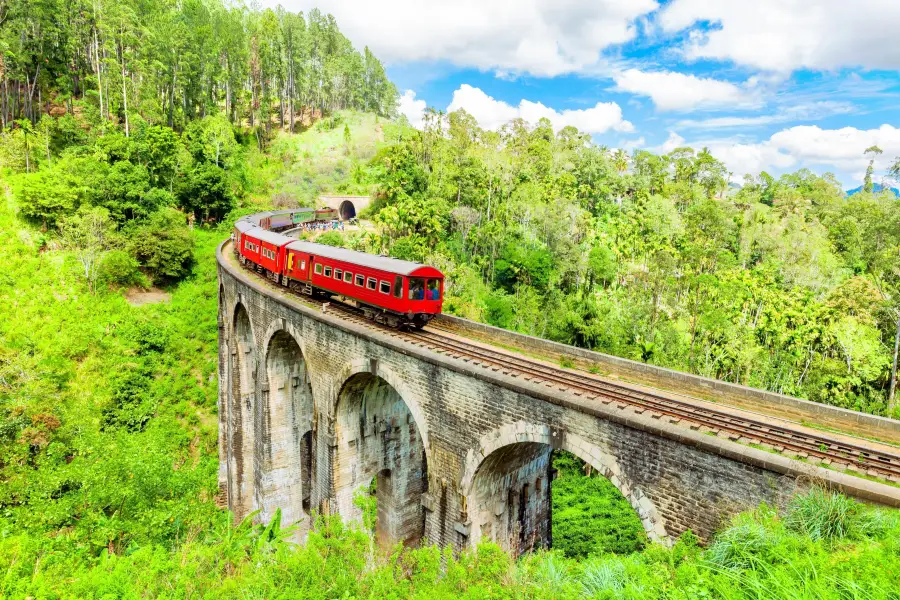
331 238
206 191
120 268
163 245
44 197
590 516
131 405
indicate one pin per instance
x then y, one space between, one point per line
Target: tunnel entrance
377 439
288 414
241 461
347 210
527 496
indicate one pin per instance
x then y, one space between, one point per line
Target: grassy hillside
107 410
108 457
330 157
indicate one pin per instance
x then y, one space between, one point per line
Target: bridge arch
378 369
240 422
378 437
284 418
507 479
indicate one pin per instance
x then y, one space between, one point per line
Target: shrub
163 245
331 238
603 578
120 268
130 406
44 197
746 543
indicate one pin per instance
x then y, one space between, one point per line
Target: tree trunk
124 92
99 80
892 387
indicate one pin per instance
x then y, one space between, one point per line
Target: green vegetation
174 62
170 119
757 557
107 411
590 516
785 285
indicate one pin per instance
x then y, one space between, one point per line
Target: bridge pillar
241 366
284 421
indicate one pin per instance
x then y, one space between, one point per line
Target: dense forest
783 284
134 133
172 62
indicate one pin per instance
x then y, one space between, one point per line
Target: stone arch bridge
314 407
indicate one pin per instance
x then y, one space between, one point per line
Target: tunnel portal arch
347 210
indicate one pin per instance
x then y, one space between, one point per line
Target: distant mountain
876 188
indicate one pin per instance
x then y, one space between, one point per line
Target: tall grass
824 515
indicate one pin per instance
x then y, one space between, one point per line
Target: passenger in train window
416 288
434 289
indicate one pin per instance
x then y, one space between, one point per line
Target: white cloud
412 108
786 35
841 147
837 150
493 114
632 144
743 158
677 91
674 141
802 112
540 37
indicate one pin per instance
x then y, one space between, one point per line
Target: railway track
804 445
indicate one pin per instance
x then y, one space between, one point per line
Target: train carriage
280 221
387 289
265 249
240 228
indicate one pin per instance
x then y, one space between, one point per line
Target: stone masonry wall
462 417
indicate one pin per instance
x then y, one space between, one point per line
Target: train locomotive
395 292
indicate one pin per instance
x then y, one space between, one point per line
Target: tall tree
871 152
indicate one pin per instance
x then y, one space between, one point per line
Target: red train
395 292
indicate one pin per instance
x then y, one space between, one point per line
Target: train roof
363 259
270 237
244 226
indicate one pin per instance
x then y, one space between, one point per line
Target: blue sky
773 85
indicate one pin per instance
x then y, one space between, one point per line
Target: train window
371 283
302 265
360 280
416 288
434 289
385 287
348 277
338 274
398 287
318 269
327 271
